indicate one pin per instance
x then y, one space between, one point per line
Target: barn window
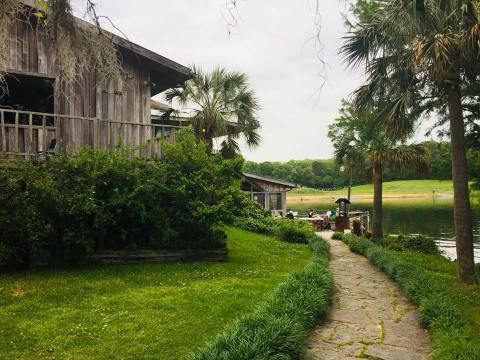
28 93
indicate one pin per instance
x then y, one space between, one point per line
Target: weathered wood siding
122 100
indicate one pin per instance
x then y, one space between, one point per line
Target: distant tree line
322 174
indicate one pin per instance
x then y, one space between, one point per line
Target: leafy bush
62 210
258 226
337 236
418 243
438 310
252 217
421 244
280 325
294 231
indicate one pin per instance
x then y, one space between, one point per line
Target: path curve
370 317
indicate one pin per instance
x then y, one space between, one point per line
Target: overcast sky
271 45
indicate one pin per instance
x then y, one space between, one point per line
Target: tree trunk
209 145
350 176
462 212
377 222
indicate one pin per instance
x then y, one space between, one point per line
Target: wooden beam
4 136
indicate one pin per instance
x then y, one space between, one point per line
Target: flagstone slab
370 317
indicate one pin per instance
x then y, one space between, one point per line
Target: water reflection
432 217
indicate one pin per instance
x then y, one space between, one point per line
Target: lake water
431 217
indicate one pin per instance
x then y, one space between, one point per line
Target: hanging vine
77 47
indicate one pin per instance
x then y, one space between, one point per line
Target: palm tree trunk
377 199
462 211
209 146
350 176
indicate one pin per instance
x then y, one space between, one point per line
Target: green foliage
325 174
439 309
255 219
337 236
280 325
64 209
310 173
418 243
294 231
421 244
251 216
259 226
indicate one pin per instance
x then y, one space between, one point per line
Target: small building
269 193
37 117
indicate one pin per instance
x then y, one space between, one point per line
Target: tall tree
220 104
416 51
348 152
360 133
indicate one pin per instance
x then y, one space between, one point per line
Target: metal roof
270 180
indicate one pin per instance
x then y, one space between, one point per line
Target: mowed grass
161 311
391 187
467 298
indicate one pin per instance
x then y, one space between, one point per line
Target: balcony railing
33 134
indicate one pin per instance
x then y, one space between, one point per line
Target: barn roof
164 73
253 177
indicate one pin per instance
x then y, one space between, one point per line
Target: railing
34 134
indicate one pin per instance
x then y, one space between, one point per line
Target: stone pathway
369 317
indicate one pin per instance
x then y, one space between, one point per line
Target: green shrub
418 243
337 236
279 326
252 217
438 311
62 210
259 226
294 231
421 244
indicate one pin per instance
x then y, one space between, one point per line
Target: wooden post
16 133
109 136
44 140
30 135
57 122
96 133
4 135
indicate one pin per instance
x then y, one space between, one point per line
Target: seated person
333 216
290 214
311 213
326 221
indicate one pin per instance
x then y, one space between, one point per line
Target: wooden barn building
37 118
269 193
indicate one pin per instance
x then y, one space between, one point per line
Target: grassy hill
401 187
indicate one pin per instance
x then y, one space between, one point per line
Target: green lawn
467 298
391 187
161 311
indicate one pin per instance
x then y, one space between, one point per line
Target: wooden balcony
32 134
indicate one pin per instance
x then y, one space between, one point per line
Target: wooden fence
33 134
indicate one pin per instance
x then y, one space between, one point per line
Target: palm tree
358 133
417 51
219 104
348 152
